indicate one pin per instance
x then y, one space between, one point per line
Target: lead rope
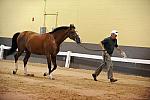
104 57
90 49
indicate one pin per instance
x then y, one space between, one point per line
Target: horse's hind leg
49 67
17 55
25 60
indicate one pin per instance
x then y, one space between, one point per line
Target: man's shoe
94 76
113 80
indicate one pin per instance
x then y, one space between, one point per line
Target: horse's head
73 35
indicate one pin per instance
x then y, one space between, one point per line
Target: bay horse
47 44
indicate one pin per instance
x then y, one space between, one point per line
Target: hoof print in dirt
32 75
14 72
45 74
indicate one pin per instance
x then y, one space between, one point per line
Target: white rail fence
69 54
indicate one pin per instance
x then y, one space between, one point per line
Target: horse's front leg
49 67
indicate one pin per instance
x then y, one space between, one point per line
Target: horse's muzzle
77 40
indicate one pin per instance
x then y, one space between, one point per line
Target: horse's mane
59 28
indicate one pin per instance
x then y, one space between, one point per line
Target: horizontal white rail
130 60
69 54
62 53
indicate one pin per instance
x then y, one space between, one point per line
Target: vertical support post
68 58
56 19
1 51
44 12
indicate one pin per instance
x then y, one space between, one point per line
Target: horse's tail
14 46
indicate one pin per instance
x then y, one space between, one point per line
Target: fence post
68 58
1 51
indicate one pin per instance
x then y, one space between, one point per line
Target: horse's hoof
45 74
14 72
51 77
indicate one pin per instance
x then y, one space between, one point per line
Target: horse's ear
72 26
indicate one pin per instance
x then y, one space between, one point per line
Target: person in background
108 45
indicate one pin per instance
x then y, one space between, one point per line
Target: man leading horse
108 44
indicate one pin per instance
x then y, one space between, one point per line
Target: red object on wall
32 18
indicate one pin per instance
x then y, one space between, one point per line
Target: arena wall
94 19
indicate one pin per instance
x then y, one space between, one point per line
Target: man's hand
123 54
105 54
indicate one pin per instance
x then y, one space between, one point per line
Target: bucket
42 29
